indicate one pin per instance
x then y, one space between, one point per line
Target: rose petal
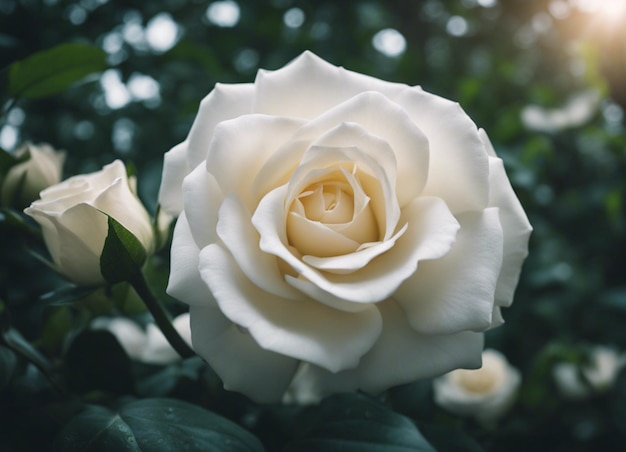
351 262
79 259
235 356
496 317
515 225
317 239
456 152
175 168
431 233
401 355
302 329
79 189
202 199
242 240
456 292
234 158
326 298
119 202
385 120
223 103
376 185
185 283
280 92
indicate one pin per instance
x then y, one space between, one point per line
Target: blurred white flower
600 373
575 112
484 394
149 346
24 181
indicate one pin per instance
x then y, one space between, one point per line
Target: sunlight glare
610 10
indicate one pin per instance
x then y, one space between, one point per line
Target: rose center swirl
332 215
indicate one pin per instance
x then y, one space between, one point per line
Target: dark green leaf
123 254
353 422
449 438
7 160
413 399
164 381
14 340
66 295
7 366
97 362
54 70
154 425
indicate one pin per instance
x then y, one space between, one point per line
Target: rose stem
161 316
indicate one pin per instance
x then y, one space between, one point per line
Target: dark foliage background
496 58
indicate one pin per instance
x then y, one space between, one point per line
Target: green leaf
54 70
66 295
8 362
123 254
7 160
154 425
447 437
356 423
97 362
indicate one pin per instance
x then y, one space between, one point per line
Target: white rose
363 228
24 181
600 373
149 345
75 227
485 394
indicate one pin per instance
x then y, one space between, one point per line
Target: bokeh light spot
389 42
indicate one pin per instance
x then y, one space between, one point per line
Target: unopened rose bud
73 217
24 181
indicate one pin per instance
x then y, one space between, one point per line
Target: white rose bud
24 181
600 374
73 217
484 394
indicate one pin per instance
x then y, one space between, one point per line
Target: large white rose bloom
362 230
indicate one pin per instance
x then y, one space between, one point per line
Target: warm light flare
612 11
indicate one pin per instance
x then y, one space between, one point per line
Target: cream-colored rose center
332 215
330 203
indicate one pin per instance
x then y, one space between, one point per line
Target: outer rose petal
456 152
223 103
79 258
280 92
242 240
515 225
456 292
240 147
121 203
185 283
202 200
175 168
401 355
302 329
240 362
